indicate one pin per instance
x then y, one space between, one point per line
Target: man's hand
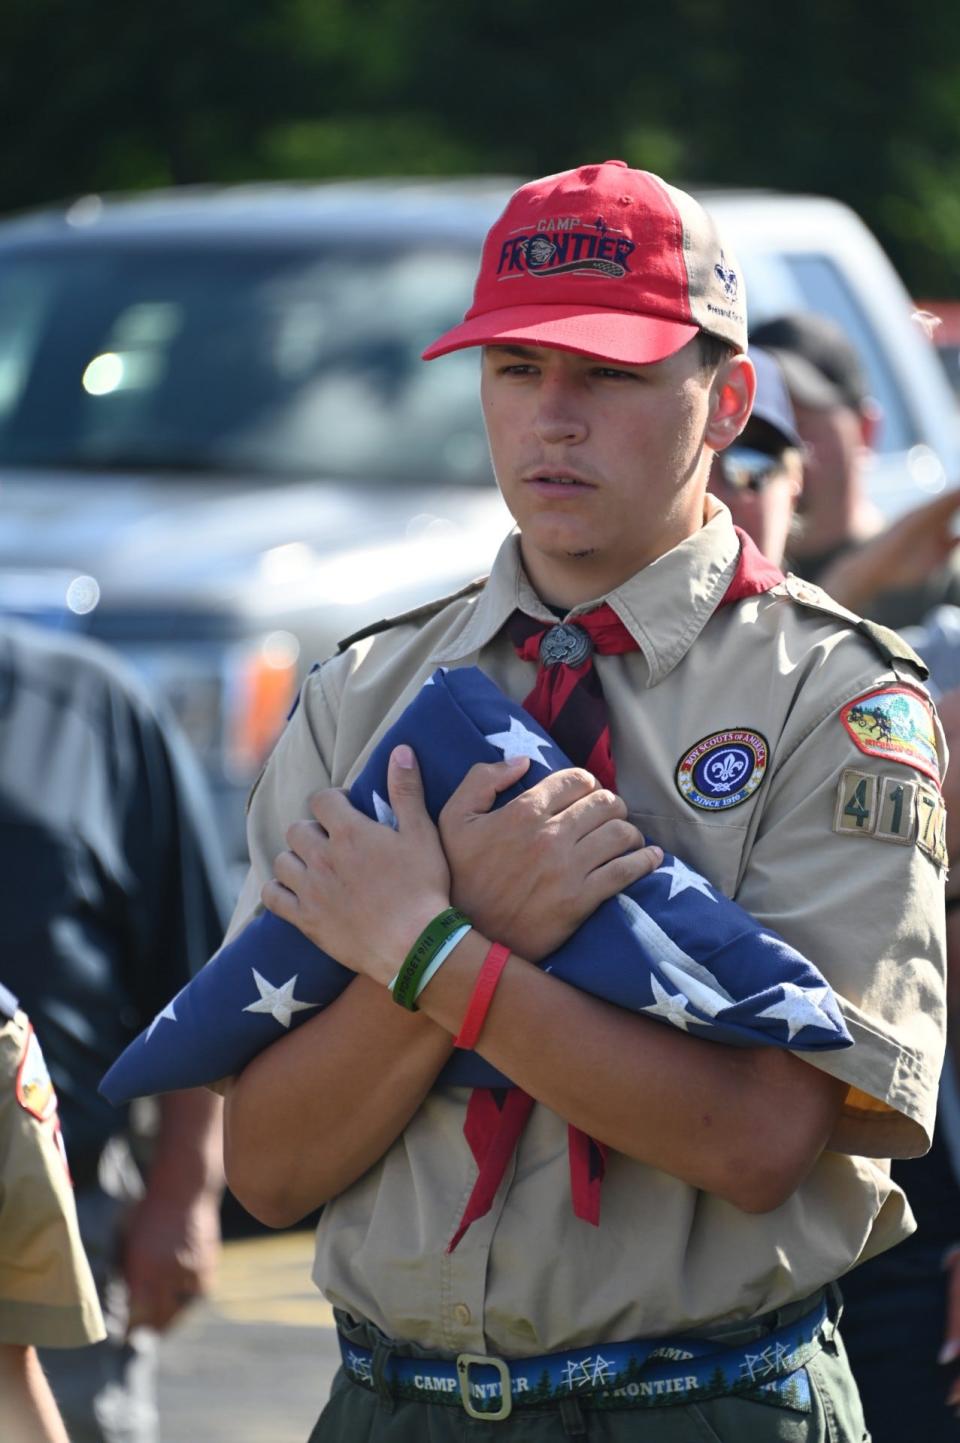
530 873
901 556
171 1240
169 1255
359 890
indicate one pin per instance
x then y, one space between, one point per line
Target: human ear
871 419
793 469
731 401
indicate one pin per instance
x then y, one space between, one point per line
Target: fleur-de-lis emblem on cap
727 278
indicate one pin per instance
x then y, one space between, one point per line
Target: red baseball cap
606 261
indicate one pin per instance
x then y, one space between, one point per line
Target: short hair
713 352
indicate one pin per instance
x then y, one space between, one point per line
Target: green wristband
432 968
432 939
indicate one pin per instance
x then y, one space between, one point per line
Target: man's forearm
312 1113
187 1158
172 1236
709 1114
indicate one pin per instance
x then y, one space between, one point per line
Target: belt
646 1373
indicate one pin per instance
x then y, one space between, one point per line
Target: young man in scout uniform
47 1294
788 758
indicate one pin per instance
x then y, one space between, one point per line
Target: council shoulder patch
723 769
35 1092
896 724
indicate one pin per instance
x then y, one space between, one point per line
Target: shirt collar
664 607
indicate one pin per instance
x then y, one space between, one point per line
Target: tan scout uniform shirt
529 1277
47 1295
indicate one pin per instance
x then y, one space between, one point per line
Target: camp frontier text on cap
606 261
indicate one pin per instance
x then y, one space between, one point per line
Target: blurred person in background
112 894
760 477
902 1319
902 1308
841 543
902 558
838 422
47 1295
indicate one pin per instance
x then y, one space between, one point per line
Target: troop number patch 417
892 809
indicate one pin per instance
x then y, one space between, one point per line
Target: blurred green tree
843 98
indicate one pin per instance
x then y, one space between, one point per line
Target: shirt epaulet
419 613
890 645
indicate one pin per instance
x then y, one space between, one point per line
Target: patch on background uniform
891 809
723 769
896 724
35 1092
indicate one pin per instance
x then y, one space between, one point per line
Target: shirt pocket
712 846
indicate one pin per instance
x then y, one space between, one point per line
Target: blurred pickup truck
220 452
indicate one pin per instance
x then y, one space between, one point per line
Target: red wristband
482 996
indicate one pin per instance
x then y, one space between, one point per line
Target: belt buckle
464 1363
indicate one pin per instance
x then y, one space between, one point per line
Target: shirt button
462 1314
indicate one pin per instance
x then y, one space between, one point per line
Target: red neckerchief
568 702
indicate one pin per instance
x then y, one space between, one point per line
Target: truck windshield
253 358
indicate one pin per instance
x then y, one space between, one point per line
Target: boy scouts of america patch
35 1092
896 724
723 769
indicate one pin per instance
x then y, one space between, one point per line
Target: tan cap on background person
604 261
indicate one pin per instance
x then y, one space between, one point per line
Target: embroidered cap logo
558 248
727 277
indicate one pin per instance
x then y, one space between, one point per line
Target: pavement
254 1362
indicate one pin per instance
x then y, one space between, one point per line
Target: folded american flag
671 946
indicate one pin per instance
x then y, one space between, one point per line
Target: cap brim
622 336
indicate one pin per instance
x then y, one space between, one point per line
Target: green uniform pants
830 1414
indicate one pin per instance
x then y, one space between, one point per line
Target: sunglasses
743 469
